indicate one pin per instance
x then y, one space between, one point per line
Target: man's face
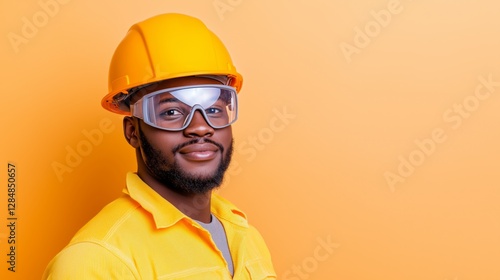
191 161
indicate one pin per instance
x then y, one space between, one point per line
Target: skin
198 160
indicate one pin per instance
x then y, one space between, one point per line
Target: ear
130 131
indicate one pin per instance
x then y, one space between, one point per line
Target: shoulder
89 260
259 263
93 251
111 220
257 241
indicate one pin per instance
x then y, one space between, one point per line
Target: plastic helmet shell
164 47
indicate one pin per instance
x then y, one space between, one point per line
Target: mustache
197 141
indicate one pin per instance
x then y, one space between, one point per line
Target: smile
199 152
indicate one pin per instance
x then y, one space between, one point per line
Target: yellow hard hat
164 47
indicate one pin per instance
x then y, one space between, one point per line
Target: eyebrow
171 99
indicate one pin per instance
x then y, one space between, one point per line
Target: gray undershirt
219 237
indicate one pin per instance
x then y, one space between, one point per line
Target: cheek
164 143
225 137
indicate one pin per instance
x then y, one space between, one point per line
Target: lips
199 152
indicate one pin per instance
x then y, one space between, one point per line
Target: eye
213 110
170 113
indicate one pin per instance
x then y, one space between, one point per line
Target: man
176 82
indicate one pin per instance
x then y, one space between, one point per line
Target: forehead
177 82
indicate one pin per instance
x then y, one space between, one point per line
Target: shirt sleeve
88 261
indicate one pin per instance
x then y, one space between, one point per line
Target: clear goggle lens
172 109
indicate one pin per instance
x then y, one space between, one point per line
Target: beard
171 175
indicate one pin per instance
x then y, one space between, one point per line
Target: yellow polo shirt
142 236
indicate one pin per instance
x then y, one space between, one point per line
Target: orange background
337 94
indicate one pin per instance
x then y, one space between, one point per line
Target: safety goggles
173 109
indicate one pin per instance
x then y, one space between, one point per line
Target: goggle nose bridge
189 118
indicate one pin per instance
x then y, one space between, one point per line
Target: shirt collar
165 214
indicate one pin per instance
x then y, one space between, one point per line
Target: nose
198 127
